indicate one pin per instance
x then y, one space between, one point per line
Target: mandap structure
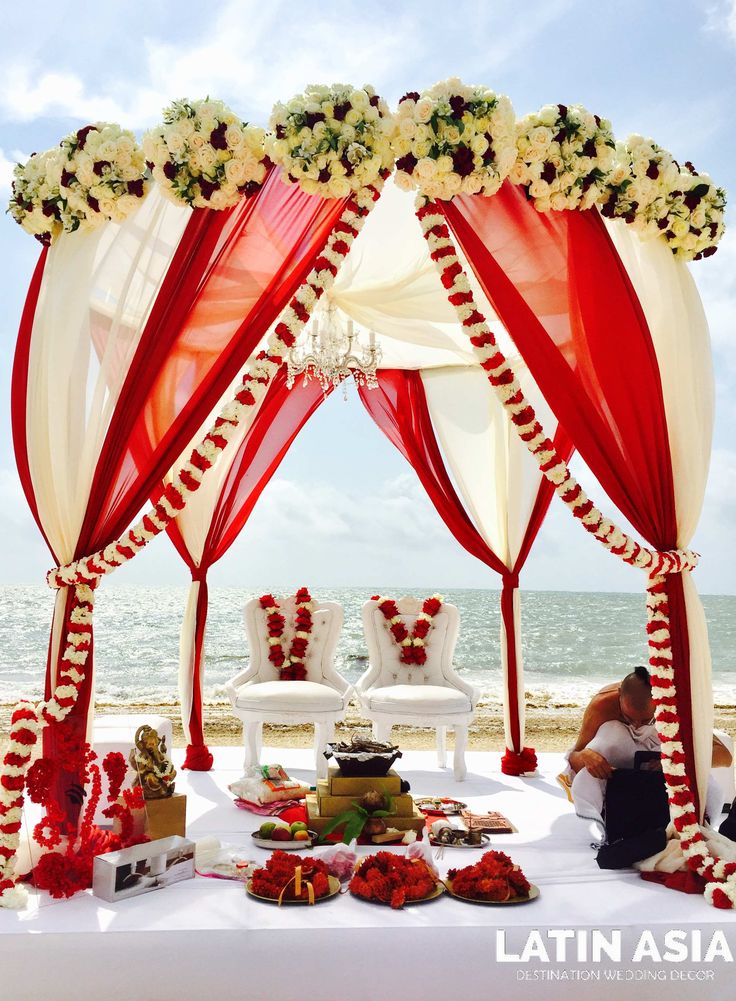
527 281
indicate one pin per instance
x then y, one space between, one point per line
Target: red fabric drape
399 408
279 420
231 275
560 289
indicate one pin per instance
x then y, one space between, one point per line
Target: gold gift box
344 785
332 806
317 821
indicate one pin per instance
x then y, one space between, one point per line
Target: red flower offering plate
495 879
289 879
394 881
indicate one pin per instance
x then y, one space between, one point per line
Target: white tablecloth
206 938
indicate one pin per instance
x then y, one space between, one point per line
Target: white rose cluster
695 222
453 139
35 203
651 192
203 155
565 155
331 140
639 187
95 174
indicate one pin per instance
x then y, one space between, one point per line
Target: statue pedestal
160 818
166 817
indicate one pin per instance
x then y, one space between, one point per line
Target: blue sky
344 509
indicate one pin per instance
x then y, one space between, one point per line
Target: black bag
637 813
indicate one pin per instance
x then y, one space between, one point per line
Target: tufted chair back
385 655
327 617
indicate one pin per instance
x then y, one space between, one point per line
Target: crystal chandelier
333 351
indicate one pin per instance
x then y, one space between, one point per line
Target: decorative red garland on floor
413 649
65 872
291 666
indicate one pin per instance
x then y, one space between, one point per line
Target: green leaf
338 821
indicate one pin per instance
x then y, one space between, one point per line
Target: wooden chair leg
250 738
442 746
461 741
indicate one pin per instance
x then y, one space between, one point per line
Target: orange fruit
301 836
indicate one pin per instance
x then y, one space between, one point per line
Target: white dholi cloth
618 743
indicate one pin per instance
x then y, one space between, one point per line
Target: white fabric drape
96 293
389 284
496 476
679 329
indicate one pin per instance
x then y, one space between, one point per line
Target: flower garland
66 872
291 666
565 155
454 138
95 174
331 140
450 139
721 889
650 191
203 155
412 647
392 879
28 719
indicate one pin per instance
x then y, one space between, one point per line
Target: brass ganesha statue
153 769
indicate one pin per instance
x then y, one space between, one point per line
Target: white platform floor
204 938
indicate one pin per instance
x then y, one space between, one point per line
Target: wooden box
317 822
167 817
342 785
331 806
160 818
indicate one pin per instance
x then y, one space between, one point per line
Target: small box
331 806
317 822
343 785
141 868
167 817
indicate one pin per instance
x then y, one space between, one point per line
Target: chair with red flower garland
419 689
279 688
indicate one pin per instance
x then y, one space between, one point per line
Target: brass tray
334 890
532 895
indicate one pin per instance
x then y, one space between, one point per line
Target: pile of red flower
279 877
392 879
495 877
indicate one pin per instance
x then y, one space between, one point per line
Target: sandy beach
549 727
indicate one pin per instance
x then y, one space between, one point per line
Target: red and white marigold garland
412 645
291 666
28 719
720 875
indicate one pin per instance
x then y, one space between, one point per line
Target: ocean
573 643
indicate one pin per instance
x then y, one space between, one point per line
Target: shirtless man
628 702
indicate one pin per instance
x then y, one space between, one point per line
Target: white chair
258 695
431 694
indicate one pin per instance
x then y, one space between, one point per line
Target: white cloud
721 19
252 55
